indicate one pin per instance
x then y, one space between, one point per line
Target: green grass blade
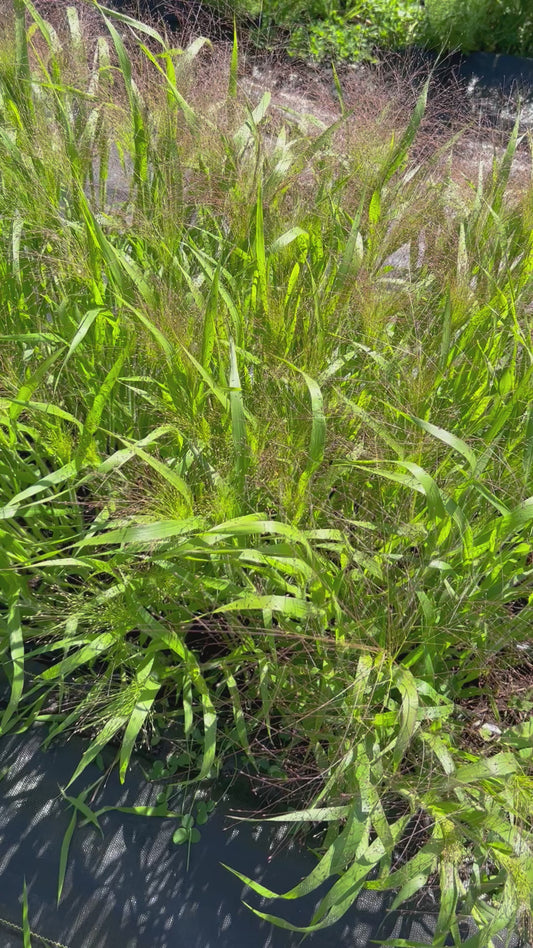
189 113
147 695
399 152
87 653
352 257
337 855
238 424
49 480
82 330
448 438
317 441
238 714
209 327
136 25
244 134
527 462
16 652
234 64
94 415
22 61
406 684
26 391
177 482
81 807
210 721
63 856
142 534
107 733
291 607
26 930
260 252
451 889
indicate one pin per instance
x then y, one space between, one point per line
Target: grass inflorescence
266 446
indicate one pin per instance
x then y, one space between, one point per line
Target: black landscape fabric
130 886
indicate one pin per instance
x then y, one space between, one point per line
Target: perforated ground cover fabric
130 887
499 71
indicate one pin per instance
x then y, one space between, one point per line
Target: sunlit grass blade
244 134
95 412
22 62
337 855
15 640
149 688
408 714
450 439
352 257
188 112
26 391
82 330
49 480
260 252
528 445
399 152
142 534
238 423
63 855
234 65
87 653
110 729
26 930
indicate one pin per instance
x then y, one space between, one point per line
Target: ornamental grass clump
266 446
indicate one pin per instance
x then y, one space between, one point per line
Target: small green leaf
202 814
181 836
